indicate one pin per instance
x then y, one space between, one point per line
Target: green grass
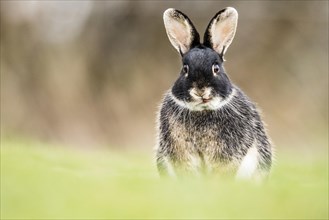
48 182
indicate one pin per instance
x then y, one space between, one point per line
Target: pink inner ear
223 32
180 34
220 33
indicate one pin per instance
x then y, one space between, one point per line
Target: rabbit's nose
204 94
200 92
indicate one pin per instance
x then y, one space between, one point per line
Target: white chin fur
214 104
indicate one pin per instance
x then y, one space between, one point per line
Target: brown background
92 73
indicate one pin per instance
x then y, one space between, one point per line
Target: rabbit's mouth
210 103
197 103
203 104
204 100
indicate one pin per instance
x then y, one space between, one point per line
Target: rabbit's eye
185 70
215 69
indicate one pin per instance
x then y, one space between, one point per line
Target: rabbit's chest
200 150
198 140
200 147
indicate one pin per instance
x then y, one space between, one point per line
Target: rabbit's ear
221 30
180 30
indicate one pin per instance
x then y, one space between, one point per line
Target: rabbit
206 124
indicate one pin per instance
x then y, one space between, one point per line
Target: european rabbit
206 124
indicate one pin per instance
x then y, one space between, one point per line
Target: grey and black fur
206 124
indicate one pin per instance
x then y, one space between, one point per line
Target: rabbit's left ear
221 30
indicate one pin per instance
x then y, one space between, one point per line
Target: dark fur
217 139
237 128
200 60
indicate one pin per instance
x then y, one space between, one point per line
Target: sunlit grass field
40 181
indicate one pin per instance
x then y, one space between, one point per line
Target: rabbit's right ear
180 30
221 30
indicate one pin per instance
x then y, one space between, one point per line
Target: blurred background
92 73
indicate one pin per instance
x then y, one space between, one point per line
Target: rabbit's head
202 83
